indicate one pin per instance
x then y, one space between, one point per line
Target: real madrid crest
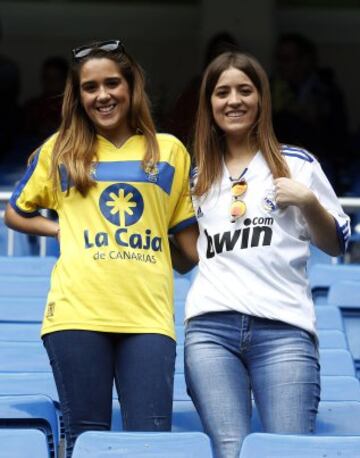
268 202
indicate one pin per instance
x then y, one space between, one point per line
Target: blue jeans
85 364
228 355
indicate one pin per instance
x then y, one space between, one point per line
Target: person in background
309 107
181 118
250 321
118 188
42 114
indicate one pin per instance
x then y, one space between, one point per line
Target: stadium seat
20 286
22 309
181 287
31 411
322 276
340 388
17 356
27 332
332 339
346 295
29 266
260 445
329 318
14 383
23 443
97 444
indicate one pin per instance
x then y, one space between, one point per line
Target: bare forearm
37 225
322 227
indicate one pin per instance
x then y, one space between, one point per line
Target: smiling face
105 97
235 103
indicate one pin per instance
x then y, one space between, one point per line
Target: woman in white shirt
250 322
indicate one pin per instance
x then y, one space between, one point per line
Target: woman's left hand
291 192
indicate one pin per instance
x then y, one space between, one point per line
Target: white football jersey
257 264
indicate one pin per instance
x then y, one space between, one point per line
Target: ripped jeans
85 364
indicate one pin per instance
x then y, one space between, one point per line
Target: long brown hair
76 142
209 140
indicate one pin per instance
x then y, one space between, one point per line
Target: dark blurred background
310 50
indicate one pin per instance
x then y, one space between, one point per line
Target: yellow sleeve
183 212
35 190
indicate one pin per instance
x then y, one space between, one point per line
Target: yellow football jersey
114 273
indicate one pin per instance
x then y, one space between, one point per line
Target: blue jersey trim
127 171
296 152
183 225
21 185
341 234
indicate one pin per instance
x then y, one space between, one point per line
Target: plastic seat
179 309
336 362
181 288
329 318
26 332
31 411
180 334
339 388
29 266
23 443
23 357
346 295
322 276
20 286
332 339
95 444
14 383
260 445
22 309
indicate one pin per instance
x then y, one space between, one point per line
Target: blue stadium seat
22 309
332 339
181 287
340 388
179 309
329 318
26 332
31 411
319 257
322 276
20 286
17 356
336 362
180 334
29 266
23 443
346 295
14 383
260 445
95 444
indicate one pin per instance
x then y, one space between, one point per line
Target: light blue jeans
228 355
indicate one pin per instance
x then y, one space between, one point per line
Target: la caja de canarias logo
123 205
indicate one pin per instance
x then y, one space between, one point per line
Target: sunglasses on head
108 46
238 206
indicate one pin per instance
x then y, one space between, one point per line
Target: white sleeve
323 190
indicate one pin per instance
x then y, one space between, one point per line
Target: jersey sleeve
183 212
323 190
35 190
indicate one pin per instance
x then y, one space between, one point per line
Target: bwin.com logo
121 204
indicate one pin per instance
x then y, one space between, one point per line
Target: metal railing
349 204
